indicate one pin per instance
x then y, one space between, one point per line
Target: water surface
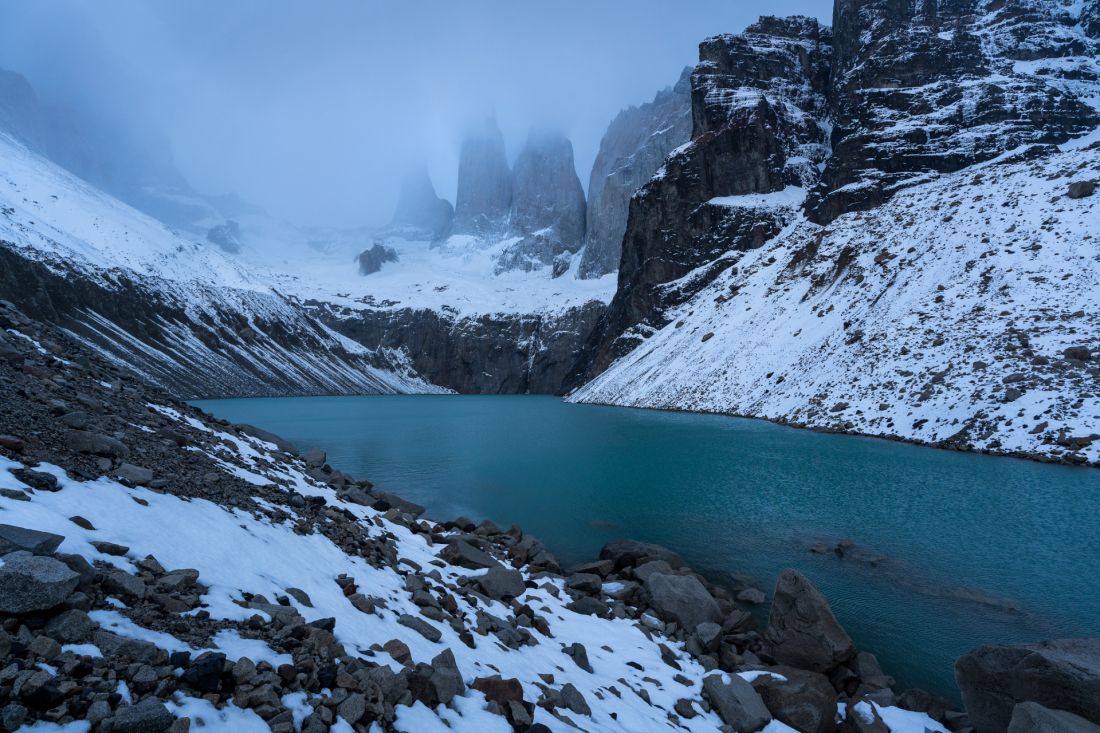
953 550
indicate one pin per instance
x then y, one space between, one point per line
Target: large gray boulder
632 150
499 582
736 702
1061 675
681 598
802 631
484 182
148 716
1031 717
34 583
806 701
14 538
632 553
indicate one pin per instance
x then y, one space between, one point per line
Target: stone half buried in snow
14 538
738 704
802 631
1062 674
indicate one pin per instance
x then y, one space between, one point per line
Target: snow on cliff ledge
943 317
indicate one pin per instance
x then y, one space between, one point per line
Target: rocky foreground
161 570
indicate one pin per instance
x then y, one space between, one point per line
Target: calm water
955 550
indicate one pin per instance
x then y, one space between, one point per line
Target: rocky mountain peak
484 181
546 192
419 208
632 150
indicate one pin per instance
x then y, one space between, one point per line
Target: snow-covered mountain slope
964 312
179 313
200 569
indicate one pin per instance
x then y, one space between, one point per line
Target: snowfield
942 317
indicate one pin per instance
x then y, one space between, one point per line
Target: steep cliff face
632 150
484 182
925 88
886 229
547 205
498 353
758 101
419 210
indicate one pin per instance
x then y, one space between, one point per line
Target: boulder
420 626
500 583
802 631
148 716
268 437
14 538
446 678
70 627
34 583
631 553
1031 717
1062 674
462 553
315 457
1081 189
804 700
136 475
737 702
405 507
681 598
85 441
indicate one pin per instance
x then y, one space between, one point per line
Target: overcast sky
311 109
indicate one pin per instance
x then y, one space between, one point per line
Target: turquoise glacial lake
951 550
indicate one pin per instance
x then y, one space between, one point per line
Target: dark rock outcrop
371 260
756 101
227 236
485 354
1061 675
419 209
631 152
802 631
547 205
484 182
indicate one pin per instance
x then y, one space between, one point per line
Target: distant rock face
547 204
484 182
227 236
756 99
895 94
631 152
934 87
420 209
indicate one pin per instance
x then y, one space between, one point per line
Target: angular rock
148 716
631 553
461 553
501 583
806 701
802 631
420 626
84 441
14 538
136 475
34 583
71 627
681 598
1062 674
737 702
1031 717
315 457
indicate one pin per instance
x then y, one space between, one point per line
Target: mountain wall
887 227
632 150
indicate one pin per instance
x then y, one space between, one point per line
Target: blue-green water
967 549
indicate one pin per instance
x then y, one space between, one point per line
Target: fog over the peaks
313 109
